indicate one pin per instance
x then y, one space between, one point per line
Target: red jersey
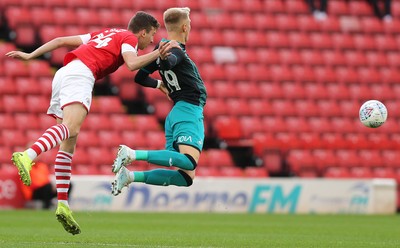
102 53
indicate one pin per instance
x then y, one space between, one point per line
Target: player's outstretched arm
134 62
67 41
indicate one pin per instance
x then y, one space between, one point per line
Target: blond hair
174 16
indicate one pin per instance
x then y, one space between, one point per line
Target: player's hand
164 50
165 47
164 90
19 55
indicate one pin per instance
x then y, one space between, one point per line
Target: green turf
102 229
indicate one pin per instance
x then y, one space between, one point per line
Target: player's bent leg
64 216
24 165
160 177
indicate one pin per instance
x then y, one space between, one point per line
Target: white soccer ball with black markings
373 114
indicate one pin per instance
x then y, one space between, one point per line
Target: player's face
146 38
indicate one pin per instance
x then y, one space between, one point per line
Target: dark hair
142 20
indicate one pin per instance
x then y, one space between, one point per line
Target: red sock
51 138
62 170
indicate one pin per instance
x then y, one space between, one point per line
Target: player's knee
192 160
188 178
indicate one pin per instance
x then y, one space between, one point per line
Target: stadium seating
293 85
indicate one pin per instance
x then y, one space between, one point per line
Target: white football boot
123 158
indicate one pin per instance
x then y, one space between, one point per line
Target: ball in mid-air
373 113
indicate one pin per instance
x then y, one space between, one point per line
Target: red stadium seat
391 158
134 139
215 107
236 72
386 43
7 87
227 128
274 123
252 6
300 159
107 105
384 172
13 138
27 86
231 172
293 90
348 158
324 158
361 172
305 108
267 56
260 107
364 42
109 138
333 141
311 58
272 161
237 107
277 39
286 22
219 158
250 125
97 122
325 74
297 124
225 89
222 21
101 156
155 140
315 91
274 6
162 108
321 40
299 40
320 124
26 121
307 23
263 22
206 171
337 172
377 59
393 59
247 90
338 7
14 104
201 54
7 121
240 20
146 123
371 158
328 108
283 107
255 172
289 57
371 24
360 8
355 58
89 138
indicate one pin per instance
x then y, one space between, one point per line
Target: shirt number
172 80
102 40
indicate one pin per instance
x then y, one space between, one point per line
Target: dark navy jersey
180 75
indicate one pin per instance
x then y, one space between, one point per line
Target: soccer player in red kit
97 55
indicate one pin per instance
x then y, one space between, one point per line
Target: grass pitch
29 228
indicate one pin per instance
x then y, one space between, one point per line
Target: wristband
159 82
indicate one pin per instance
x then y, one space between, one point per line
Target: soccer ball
373 114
